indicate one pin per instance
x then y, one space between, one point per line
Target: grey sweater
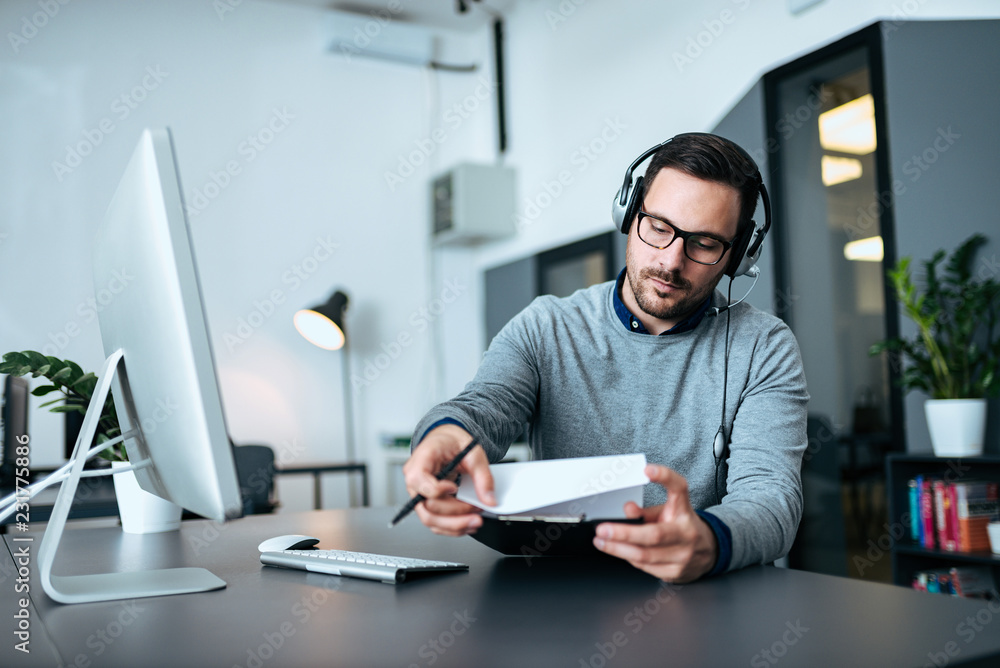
587 386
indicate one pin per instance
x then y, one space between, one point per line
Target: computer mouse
290 542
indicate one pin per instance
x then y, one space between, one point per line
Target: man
638 365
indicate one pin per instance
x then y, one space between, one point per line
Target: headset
742 261
746 245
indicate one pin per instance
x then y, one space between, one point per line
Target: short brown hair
712 158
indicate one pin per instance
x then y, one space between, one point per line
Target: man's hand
674 544
442 512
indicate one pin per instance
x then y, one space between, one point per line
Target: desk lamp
323 326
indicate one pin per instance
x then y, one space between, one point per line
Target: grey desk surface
503 612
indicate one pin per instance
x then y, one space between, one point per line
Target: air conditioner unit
383 35
473 203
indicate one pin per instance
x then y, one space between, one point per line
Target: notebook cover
542 537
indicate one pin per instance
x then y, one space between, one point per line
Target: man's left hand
673 543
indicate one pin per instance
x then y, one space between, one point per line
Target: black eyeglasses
700 248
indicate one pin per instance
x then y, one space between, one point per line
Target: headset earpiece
741 260
634 202
624 212
618 210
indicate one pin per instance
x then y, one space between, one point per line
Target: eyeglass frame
678 232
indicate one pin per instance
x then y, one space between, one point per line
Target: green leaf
959 267
75 372
61 376
85 385
60 400
70 408
36 360
16 358
84 379
42 390
55 364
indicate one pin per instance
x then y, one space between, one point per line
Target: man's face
664 285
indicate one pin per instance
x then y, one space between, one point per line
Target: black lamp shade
323 325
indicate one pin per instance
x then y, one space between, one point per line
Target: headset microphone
716 310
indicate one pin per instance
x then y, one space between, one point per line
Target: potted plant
140 511
75 389
955 355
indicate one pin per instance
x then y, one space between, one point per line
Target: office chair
255 473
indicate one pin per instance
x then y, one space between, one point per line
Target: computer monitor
160 369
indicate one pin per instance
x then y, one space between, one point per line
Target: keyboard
382 567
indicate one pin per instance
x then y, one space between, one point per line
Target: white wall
338 127
656 68
605 77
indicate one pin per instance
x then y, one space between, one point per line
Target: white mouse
291 542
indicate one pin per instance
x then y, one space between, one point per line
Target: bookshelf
908 557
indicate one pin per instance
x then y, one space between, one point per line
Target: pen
449 467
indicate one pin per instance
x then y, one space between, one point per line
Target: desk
503 612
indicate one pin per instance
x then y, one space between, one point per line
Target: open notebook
551 507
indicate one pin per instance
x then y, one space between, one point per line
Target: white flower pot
957 426
142 512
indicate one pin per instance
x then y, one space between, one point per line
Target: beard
667 306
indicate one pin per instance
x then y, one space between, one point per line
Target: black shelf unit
909 557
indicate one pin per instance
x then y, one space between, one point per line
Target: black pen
449 467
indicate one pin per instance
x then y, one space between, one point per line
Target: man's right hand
442 512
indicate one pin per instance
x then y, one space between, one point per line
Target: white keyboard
380 567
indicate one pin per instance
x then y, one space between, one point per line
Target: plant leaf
55 364
62 375
69 408
959 266
36 360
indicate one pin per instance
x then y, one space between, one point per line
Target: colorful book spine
952 515
966 581
976 506
973 581
926 513
914 500
942 516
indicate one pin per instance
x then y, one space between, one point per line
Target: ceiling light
864 250
838 170
849 128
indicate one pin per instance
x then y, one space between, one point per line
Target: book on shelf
913 497
944 527
965 581
975 506
952 516
924 488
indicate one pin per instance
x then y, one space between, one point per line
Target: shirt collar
633 324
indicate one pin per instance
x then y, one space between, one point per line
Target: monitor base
135 584
106 586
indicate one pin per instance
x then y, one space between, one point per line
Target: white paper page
604 506
527 486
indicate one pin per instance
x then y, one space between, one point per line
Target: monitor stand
106 586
